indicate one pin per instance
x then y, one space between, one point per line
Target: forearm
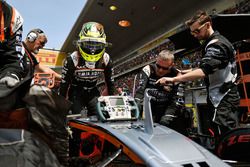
186 71
190 76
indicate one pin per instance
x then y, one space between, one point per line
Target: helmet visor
92 47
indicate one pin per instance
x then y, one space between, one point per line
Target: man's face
163 67
199 31
119 90
39 44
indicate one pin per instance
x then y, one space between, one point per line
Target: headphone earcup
32 36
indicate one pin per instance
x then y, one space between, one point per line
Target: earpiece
33 34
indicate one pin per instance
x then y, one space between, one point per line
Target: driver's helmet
92 41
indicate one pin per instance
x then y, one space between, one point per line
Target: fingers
157 82
164 81
160 81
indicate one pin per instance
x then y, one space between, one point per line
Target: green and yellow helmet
92 41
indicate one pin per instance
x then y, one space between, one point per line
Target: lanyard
30 58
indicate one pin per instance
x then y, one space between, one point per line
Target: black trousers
225 116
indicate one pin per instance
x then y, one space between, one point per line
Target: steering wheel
108 112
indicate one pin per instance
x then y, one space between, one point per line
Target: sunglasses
198 30
164 68
42 43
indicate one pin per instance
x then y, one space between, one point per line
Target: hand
165 80
10 80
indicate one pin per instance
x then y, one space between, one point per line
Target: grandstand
51 58
152 22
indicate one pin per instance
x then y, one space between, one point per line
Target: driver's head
92 41
164 62
35 40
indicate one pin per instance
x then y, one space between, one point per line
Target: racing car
117 137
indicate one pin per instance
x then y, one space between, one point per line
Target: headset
33 34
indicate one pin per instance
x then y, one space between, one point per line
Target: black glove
166 120
10 80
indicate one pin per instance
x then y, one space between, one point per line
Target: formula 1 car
118 138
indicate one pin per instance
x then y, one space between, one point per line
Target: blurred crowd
125 72
242 7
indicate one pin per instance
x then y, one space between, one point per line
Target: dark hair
200 16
